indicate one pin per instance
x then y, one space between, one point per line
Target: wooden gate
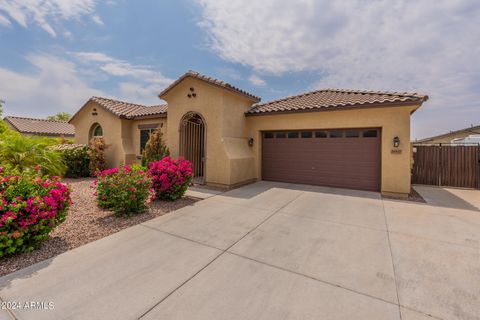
192 144
447 165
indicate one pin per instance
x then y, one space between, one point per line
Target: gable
211 82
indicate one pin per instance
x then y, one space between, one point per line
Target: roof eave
11 123
150 116
340 108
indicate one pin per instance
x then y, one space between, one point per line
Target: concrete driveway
272 251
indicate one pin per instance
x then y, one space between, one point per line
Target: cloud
256 80
64 83
97 20
140 83
429 46
54 86
46 13
4 21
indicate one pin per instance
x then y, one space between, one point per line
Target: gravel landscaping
86 223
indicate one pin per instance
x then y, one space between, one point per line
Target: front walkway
272 251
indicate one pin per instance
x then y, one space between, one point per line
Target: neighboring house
449 137
471 139
340 138
41 127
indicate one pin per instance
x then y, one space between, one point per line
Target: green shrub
96 152
125 191
21 154
77 161
30 208
155 149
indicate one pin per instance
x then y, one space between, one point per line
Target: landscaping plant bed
86 223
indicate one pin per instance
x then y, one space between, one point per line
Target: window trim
150 130
341 131
358 133
97 126
372 130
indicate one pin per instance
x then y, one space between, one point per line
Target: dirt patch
86 223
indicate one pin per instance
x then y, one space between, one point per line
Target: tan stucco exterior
393 121
229 160
121 136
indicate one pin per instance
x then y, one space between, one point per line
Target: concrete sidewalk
270 251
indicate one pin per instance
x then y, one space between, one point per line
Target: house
41 127
340 138
453 136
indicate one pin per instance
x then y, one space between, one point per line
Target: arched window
97 131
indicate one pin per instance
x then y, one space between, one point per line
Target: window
336 133
268 135
280 135
307 134
97 131
321 134
293 135
352 133
370 133
144 136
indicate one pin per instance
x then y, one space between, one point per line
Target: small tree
60 116
155 149
1 107
96 152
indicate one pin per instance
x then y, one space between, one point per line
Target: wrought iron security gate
192 143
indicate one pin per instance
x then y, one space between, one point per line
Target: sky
55 54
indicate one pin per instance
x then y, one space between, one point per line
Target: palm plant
27 154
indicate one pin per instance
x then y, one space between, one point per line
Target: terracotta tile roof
41 126
130 110
334 99
213 81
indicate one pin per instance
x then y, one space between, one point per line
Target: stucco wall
230 160
394 121
223 113
112 131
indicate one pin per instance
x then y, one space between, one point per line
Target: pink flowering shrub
170 178
124 190
30 208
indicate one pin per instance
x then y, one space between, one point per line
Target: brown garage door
347 158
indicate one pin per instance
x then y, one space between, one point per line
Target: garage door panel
338 162
326 175
319 168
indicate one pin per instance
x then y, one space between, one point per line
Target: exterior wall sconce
396 142
250 142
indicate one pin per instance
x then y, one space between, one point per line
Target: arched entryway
192 143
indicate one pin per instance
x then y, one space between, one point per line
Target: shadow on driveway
259 188
441 197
